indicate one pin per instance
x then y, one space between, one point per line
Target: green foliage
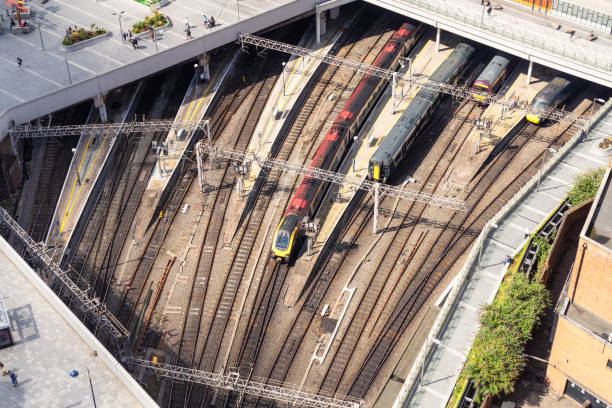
496 358
156 20
82 34
544 246
586 186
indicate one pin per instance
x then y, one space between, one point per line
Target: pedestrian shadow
23 323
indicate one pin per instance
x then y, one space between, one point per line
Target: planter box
84 43
165 27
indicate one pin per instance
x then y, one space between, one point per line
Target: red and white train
337 140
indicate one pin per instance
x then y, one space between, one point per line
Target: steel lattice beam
31 131
330 176
285 393
91 306
399 79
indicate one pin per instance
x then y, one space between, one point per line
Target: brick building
581 355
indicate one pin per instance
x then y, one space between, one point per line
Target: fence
427 349
582 15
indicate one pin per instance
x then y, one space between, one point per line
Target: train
552 95
490 78
395 145
305 201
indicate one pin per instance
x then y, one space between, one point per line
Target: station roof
49 343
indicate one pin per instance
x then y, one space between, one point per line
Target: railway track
452 241
261 316
220 186
406 221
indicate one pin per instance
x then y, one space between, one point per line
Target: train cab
286 238
490 78
552 95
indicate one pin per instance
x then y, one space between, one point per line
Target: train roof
454 60
407 122
405 125
493 69
551 90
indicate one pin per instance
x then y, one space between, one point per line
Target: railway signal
396 78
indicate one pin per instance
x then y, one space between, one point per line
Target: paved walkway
517 31
49 343
53 69
455 339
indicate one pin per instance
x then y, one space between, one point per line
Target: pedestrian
187 26
152 32
205 18
188 32
508 260
19 62
571 34
489 9
12 24
68 33
135 43
130 34
124 37
13 378
3 369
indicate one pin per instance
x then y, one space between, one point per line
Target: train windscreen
282 240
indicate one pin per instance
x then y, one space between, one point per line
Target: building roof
590 321
50 342
600 226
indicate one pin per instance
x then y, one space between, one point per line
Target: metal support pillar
437 39
393 91
334 13
207 131
99 103
204 62
529 70
199 154
376 199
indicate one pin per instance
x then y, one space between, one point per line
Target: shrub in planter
82 34
156 20
606 143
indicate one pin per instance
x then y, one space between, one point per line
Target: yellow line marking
70 208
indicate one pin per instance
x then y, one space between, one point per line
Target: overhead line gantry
39 131
397 78
89 305
376 189
285 393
